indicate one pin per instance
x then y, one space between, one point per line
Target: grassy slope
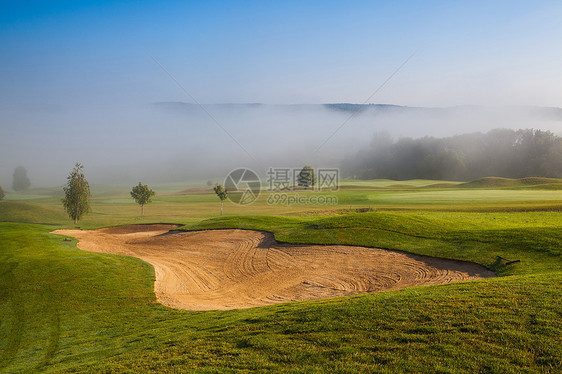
104 317
495 182
479 237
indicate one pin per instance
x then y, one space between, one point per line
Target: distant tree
21 181
221 192
209 183
1 193
142 195
306 177
552 163
76 199
500 152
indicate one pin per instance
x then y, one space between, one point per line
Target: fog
180 142
109 84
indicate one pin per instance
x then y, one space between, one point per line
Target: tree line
500 153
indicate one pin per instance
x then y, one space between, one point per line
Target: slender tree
1 193
21 181
142 195
306 177
76 199
221 192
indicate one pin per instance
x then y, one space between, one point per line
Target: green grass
462 197
534 237
388 183
66 310
495 182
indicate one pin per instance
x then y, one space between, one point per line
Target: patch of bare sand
231 269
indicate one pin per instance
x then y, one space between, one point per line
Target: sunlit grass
386 183
62 309
462 196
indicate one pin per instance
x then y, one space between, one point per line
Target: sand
232 269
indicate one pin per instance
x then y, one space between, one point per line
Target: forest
500 153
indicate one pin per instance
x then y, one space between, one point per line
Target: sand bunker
230 269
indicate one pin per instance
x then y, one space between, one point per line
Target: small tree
1 193
221 192
76 199
306 177
142 195
21 181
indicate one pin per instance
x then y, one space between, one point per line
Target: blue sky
477 52
78 80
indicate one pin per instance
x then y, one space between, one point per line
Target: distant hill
360 108
542 113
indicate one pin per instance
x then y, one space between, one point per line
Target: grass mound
28 212
440 185
497 182
547 186
477 237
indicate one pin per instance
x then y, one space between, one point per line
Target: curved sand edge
232 269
